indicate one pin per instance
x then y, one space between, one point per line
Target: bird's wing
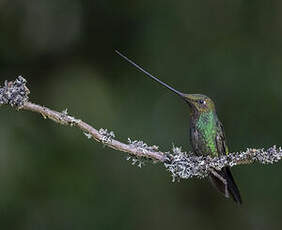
220 139
227 186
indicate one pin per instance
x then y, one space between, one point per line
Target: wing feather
220 139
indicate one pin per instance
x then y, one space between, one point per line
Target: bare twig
101 136
180 164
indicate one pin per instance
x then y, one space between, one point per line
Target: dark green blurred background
53 177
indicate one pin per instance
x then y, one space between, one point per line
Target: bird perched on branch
207 135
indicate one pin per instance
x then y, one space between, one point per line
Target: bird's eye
202 102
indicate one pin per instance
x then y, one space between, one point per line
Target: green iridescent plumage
205 127
206 135
206 131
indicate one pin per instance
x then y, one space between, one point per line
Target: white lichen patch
184 166
88 135
142 146
14 93
72 121
65 112
135 161
107 136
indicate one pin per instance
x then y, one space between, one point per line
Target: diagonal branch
180 164
101 136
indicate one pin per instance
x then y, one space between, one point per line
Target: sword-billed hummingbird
207 135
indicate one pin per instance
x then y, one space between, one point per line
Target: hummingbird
207 136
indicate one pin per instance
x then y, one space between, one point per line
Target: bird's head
198 103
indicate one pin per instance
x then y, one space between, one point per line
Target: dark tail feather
225 183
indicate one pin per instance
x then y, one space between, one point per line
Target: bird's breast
205 128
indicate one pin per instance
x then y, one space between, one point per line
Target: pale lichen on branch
15 93
184 166
107 135
180 164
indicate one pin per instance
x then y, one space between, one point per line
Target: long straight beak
182 95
